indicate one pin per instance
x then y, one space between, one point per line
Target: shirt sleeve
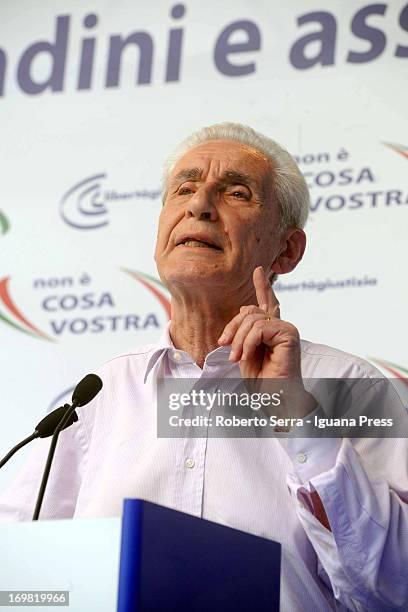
363 486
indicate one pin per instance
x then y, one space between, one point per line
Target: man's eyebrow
234 176
231 176
188 174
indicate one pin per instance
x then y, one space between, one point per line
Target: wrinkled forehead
218 158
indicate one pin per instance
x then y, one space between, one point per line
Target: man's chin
194 273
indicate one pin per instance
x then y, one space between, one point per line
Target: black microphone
44 429
86 390
83 393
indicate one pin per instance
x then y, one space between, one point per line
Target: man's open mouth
194 242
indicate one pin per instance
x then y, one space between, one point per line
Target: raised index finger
265 295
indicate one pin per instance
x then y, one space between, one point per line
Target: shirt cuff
312 456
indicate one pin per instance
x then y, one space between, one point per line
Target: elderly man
234 207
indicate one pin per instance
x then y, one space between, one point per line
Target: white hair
290 188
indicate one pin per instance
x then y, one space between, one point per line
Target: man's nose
202 204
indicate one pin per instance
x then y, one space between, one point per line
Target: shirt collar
164 344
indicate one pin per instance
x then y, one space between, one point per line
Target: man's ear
292 247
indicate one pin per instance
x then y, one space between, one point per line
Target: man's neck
196 330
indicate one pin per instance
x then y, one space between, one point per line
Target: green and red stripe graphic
393 369
17 319
398 148
154 286
4 223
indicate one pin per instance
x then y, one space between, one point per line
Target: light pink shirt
257 485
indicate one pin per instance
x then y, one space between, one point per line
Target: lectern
171 561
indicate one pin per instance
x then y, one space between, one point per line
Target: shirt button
176 356
301 457
190 463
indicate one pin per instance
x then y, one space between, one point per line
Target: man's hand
264 345
267 347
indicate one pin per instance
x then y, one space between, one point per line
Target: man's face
219 219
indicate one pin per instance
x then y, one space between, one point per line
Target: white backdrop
83 141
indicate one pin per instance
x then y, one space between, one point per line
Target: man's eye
240 195
185 190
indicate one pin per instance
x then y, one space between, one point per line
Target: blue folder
175 562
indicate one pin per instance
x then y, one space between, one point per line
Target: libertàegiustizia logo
55 308
340 180
88 204
4 223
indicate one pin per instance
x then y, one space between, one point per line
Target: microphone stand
17 447
50 457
